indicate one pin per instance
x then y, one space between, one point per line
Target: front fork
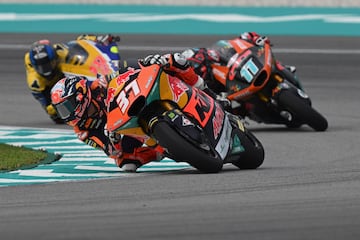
237 134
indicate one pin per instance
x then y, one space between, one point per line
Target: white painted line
169 48
85 154
82 146
47 173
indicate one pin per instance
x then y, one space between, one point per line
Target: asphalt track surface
307 188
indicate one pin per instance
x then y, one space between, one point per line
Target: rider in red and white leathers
199 60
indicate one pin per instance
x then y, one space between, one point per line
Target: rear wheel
302 112
184 151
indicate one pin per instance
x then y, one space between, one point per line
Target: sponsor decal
110 95
242 95
178 88
173 116
186 122
222 147
269 58
99 65
240 44
35 85
219 73
149 81
218 121
123 77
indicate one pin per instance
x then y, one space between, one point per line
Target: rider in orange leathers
81 104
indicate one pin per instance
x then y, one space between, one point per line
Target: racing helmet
43 57
71 98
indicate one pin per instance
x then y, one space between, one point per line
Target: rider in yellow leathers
44 65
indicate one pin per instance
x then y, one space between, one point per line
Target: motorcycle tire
302 111
254 154
182 150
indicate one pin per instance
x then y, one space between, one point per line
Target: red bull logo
100 66
110 95
178 87
123 77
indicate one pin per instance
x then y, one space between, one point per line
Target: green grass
13 158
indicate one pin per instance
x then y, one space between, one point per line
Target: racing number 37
123 98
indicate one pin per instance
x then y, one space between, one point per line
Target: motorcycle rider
199 59
43 65
82 104
178 65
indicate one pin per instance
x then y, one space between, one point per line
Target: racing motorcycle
185 123
90 59
260 87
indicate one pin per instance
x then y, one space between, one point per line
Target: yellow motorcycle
89 59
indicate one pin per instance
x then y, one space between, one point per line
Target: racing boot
290 74
221 98
292 69
130 162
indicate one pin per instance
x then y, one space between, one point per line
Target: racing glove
172 62
103 39
255 38
107 39
53 114
178 64
154 59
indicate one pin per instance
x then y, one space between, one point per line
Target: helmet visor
45 68
67 108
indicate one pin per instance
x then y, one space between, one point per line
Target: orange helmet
71 97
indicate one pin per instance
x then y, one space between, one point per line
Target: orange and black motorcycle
183 122
267 91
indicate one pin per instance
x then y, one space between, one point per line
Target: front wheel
253 153
302 112
182 150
